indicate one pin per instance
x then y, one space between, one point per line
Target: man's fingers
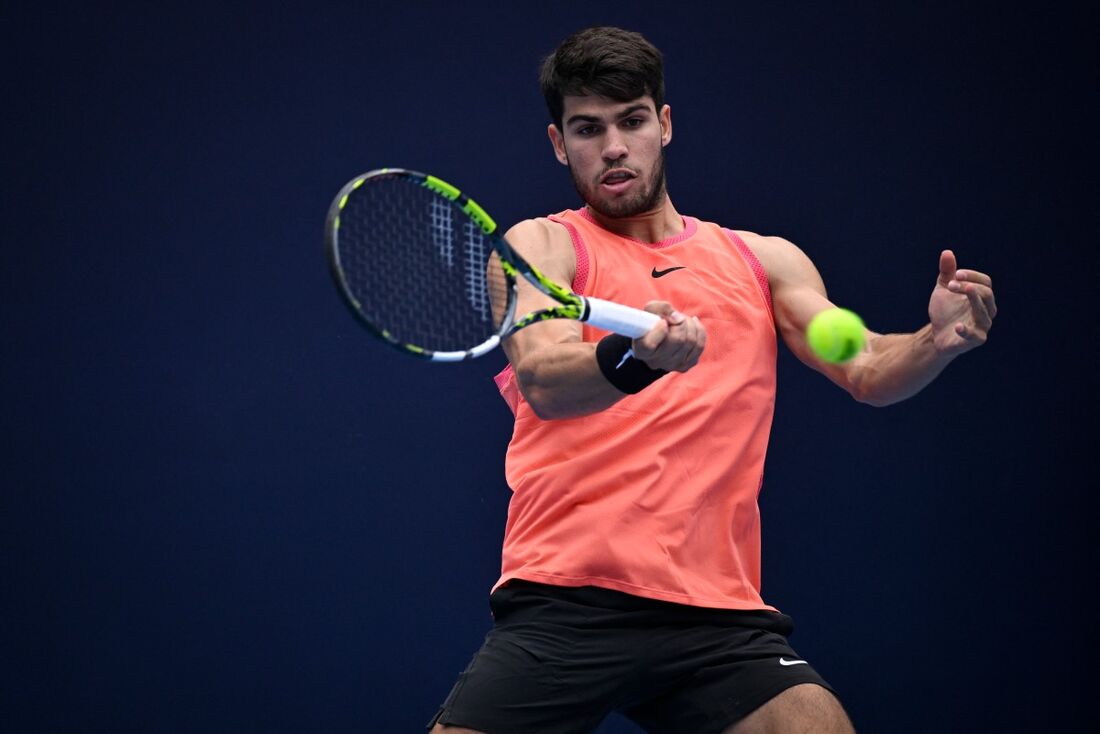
666 311
646 344
661 308
981 298
674 347
982 285
682 349
661 354
948 266
973 276
972 333
700 342
982 316
681 340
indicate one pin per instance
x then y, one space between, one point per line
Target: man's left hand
962 307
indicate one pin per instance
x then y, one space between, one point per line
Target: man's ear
665 117
558 141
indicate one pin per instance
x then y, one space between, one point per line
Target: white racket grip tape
620 319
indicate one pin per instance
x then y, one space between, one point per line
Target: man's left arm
891 367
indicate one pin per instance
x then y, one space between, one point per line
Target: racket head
419 264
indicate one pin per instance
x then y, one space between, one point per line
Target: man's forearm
896 367
564 381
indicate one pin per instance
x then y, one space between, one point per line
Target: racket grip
620 319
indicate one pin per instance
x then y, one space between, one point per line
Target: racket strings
477 283
419 268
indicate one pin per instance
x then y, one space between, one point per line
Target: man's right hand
675 343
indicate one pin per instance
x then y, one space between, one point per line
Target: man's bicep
795 306
798 294
544 249
551 253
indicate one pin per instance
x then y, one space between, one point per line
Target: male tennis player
631 562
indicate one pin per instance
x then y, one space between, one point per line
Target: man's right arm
557 372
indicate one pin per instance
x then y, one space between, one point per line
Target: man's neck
656 225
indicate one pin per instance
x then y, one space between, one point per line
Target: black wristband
615 356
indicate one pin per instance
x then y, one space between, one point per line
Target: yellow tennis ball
835 334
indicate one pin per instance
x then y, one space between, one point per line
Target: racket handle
620 319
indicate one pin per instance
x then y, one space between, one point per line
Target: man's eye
586 130
633 122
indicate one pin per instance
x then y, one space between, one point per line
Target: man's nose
614 145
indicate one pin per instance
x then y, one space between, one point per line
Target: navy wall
226 508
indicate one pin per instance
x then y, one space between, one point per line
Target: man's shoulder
762 245
545 244
539 231
776 254
754 239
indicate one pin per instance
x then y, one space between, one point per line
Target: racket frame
612 316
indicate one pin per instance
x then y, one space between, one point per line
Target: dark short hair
609 62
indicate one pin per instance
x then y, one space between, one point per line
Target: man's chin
632 206
619 209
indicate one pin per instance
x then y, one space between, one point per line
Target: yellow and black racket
422 265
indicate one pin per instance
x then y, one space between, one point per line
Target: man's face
615 152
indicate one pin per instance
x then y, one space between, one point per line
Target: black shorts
559 660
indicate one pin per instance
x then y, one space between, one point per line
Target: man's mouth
617 179
617 176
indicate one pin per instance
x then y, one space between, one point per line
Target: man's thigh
725 675
528 681
802 708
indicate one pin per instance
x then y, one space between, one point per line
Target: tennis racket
423 267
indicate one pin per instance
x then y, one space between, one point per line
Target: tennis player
631 563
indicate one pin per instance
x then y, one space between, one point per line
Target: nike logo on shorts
785 661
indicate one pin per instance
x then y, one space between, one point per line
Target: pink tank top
655 496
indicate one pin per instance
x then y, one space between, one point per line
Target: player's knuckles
661 308
650 345
700 333
657 335
686 333
677 338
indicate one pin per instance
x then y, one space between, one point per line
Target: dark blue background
226 508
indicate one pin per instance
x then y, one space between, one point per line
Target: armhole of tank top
508 388
580 279
754 264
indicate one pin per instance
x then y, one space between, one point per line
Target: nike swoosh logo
785 661
661 273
